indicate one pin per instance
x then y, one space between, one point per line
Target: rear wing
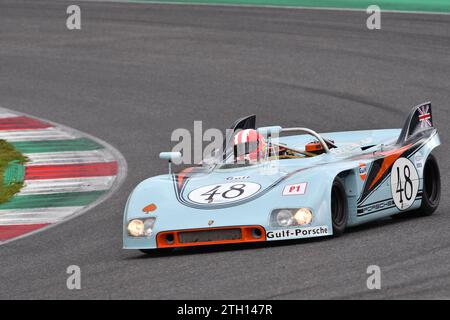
419 121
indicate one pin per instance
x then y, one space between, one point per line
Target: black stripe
419 197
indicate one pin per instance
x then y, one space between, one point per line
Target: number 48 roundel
224 193
404 183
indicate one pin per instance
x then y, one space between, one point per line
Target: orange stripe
389 159
182 175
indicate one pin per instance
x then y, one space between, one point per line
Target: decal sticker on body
418 159
295 189
404 183
363 171
376 207
425 116
237 178
307 232
223 193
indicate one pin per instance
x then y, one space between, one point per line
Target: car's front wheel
339 207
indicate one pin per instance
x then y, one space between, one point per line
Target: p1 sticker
295 189
404 183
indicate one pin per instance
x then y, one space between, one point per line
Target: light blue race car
275 183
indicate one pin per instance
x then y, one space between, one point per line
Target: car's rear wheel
431 187
339 207
431 190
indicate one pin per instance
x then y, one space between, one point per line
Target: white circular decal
404 183
224 193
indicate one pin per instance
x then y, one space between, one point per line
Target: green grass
7 154
401 5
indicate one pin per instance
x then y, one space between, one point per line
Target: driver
249 145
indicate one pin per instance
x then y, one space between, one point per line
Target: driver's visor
246 148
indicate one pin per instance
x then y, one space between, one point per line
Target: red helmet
249 145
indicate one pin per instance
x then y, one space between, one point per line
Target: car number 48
223 193
404 183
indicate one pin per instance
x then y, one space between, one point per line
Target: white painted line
56 158
35 216
67 185
6 114
231 5
35 135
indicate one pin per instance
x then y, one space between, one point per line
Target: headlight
284 218
291 217
303 216
148 226
141 227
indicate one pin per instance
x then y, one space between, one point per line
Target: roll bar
311 132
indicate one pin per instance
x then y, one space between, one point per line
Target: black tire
431 187
431 191
339 207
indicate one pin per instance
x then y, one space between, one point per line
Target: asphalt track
136 72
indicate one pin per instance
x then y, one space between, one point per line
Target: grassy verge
8 154
400 5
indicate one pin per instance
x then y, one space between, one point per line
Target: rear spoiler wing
419 121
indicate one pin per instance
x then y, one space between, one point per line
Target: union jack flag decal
425 116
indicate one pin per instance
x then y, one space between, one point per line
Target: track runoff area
65 173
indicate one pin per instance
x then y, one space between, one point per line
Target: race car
275 183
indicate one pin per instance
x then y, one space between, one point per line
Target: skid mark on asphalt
339 95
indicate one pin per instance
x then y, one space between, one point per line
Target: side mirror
170 156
